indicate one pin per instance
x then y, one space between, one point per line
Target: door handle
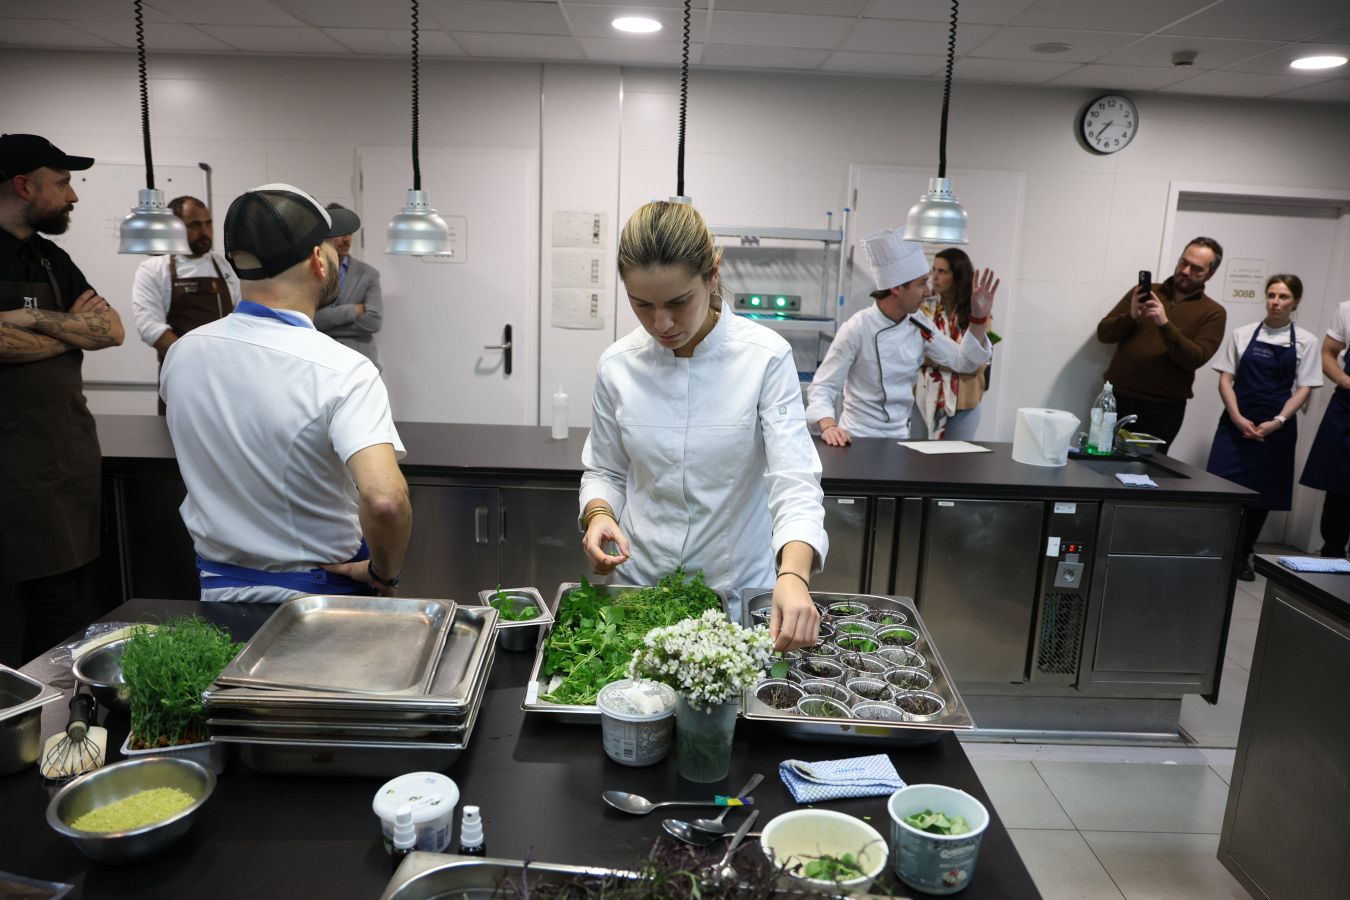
501 524
504 346
480 524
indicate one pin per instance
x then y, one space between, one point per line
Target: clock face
1109 123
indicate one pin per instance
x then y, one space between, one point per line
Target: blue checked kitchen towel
1135 480
1316 564
832 779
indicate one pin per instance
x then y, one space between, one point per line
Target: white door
1290 237
439 316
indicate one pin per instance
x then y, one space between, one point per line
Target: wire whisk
77 751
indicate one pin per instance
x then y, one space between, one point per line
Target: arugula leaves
938 823
513 609
833 868
594 636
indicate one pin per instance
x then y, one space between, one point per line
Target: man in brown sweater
1161 338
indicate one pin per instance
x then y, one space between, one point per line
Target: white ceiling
1244 46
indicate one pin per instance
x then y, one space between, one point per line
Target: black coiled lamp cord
416 159
145 97
684 102
947 92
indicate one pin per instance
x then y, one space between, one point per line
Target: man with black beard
50 460
173 294
284 436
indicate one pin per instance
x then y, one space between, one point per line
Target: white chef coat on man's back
264 416
706 460
875 362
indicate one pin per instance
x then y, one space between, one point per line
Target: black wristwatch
391 583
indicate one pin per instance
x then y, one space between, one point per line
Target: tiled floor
1124 822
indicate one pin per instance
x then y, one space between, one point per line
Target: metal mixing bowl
103 786
101 670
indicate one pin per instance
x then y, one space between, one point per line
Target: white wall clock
1109 123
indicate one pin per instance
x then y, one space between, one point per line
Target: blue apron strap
316 581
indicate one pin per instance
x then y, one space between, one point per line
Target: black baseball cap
24 153
345 221
272 227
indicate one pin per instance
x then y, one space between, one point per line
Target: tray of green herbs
521 615
166 670
595 629
854 658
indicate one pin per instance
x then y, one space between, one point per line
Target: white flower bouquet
707 660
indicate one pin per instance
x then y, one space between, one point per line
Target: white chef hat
893 260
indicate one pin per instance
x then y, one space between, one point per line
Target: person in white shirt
1328 465
284 437
875 357
1266 371
698 454
173 294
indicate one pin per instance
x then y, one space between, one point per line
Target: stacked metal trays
313 732
920 726
518 635
538 684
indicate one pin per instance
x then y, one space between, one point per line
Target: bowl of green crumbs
131 810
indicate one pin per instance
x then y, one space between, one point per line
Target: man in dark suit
358 312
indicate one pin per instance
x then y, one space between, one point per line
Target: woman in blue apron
1328 466
1263 384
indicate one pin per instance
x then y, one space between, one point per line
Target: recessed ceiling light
1051 47
1318 62
636 24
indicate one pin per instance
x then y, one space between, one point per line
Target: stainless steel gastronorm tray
519 635
954 716
538 684
469 641
371 645
423 876
358 758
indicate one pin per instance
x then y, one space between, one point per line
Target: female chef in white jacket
875 357
698 454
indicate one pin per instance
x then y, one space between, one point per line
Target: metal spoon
723 870
715 826
640 806
683 831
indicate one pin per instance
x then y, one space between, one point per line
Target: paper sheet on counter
936 447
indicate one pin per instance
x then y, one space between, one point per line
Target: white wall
764 148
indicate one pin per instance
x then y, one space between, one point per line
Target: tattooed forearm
19 345
86 330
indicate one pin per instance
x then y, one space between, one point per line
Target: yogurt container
433 798
637 721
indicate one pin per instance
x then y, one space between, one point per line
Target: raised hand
982 293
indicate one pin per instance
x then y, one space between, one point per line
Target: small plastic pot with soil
854 626
819 687
897 636
848 609
907 678
884 617
857 643
902 656
920 704
863 665
869 690
779 693
878 712
823 708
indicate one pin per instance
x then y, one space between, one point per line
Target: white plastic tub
433 798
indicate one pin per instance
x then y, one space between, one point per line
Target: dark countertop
868 466
537 781
1331 592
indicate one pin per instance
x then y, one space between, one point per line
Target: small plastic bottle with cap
559 432
405 834
1102 431
471 833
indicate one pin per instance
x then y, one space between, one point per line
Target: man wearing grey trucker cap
284 436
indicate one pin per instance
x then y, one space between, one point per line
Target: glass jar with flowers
709 661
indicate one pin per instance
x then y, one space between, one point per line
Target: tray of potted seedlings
875 673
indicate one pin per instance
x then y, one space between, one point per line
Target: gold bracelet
590 514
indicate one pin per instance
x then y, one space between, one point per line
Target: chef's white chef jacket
706 461
875 361
264 416
152 289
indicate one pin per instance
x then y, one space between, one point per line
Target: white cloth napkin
832 779
1330 566
1136 480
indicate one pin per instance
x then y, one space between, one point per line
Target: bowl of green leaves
824 850
520 615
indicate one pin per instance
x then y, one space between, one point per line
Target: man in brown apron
49 455
174 294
